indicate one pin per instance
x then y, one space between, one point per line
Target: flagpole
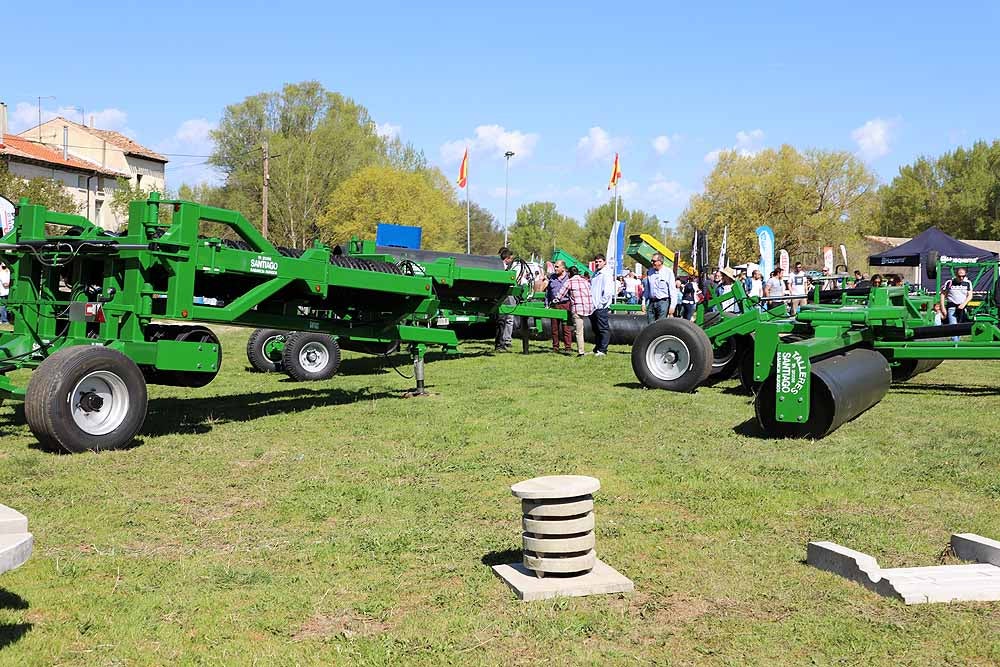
616 202
468 214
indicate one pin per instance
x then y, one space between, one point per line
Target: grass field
259 521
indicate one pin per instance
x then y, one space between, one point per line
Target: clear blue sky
563 84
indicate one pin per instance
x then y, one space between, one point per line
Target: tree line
333 176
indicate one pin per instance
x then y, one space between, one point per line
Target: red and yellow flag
463 171
616 173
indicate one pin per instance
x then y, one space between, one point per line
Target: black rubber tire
48 405
196 378
727 357
257 355
698 347
297 342
745 369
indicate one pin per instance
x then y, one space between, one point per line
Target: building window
138 179
81 182
98 203
100 183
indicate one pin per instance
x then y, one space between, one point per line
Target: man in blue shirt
556 282
661 288
603 288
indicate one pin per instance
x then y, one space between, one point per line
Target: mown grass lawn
259 521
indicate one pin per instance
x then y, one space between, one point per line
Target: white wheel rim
314 357
668 358
99 403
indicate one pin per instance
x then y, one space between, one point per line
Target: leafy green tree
539 229
487 237
317 140
958 192
386 194
45 191
598 221
810 199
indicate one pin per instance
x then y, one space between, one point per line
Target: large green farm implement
100 316
821 368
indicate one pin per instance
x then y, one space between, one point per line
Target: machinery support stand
417 352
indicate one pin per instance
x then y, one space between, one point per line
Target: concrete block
601 580
556 486
974 547
15 541
916 585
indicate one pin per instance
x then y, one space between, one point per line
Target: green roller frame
832 361
141 296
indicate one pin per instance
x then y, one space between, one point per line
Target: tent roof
911 252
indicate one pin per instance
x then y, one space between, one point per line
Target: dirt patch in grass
345 623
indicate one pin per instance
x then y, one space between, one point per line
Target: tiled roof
20 148
121 141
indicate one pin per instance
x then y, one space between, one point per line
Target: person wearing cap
727 277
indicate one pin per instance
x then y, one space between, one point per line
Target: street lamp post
663 230
506 196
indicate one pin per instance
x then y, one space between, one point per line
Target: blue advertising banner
765 241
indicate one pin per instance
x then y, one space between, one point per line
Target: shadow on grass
503 557
198 415
751 429
949 389
12 633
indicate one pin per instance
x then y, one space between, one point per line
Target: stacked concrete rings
558 523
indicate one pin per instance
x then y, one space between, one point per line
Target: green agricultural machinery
815 371
469 289
99 316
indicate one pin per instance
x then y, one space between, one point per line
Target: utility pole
40 98
267 183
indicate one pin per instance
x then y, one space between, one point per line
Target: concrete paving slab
601 580
15 540
978 581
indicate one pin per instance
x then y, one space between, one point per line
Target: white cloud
492 141
748 140
665 191
195 131
873 137
598 145
388 130
627 188
191 138
748 144
662 143
25 116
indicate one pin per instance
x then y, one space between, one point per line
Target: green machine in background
100 316
814 372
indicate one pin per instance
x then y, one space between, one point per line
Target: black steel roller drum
624 328
843 386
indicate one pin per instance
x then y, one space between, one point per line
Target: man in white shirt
602 289
661 289
798 284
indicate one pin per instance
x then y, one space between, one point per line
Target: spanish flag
616 173
463 171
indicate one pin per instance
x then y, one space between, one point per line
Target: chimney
65 142
3 121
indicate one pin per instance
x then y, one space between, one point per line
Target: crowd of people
661 294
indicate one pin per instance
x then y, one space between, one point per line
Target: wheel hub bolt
91 402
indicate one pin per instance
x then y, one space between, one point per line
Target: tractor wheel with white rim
672 354
86 398
310 356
